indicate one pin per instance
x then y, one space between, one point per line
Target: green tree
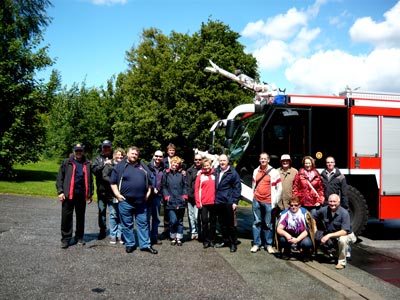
80 114
166 96
22 103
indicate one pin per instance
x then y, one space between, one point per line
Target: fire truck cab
361 130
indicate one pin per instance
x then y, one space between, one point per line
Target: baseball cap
106 143
158 153
285 157
78 147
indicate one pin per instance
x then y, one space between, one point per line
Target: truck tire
358 210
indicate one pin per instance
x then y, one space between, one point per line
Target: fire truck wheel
358 210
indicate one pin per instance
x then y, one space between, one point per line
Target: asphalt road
33 266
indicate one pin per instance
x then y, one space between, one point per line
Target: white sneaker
270 250
254 249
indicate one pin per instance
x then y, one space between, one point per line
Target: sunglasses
159 156
294 205
197 159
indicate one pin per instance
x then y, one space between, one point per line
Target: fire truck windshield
244 132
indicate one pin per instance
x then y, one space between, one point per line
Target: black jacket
191 175
66 178
97 169
336 184
109 194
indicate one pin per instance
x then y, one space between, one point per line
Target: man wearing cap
287 173
105 157
74 188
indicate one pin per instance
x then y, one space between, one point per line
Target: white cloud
287 44
271 56
330 71
282 38
322 73
300 44
385 34
109 2
279 27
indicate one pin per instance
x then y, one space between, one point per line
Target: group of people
303 209
133 192
292 209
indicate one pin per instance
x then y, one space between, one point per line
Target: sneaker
81 242
195 237
173 242
339 267
254 249
64 245
221 245
348 255
113 240
178 242
270 250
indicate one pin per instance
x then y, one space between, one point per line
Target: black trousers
208 222
67 213
226 219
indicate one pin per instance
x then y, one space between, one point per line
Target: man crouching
334 229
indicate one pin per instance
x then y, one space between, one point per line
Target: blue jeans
115 223
176 223
126 210
262 223
305 245
193 214
153 215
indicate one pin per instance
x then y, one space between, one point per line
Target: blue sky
309 47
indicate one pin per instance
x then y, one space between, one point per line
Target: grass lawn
39 179
36 179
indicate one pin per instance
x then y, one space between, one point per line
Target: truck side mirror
211 139
230 129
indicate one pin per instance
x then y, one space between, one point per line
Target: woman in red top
204 193
307 185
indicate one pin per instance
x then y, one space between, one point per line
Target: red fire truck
361 130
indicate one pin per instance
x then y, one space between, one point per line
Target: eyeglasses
294 205
330 162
